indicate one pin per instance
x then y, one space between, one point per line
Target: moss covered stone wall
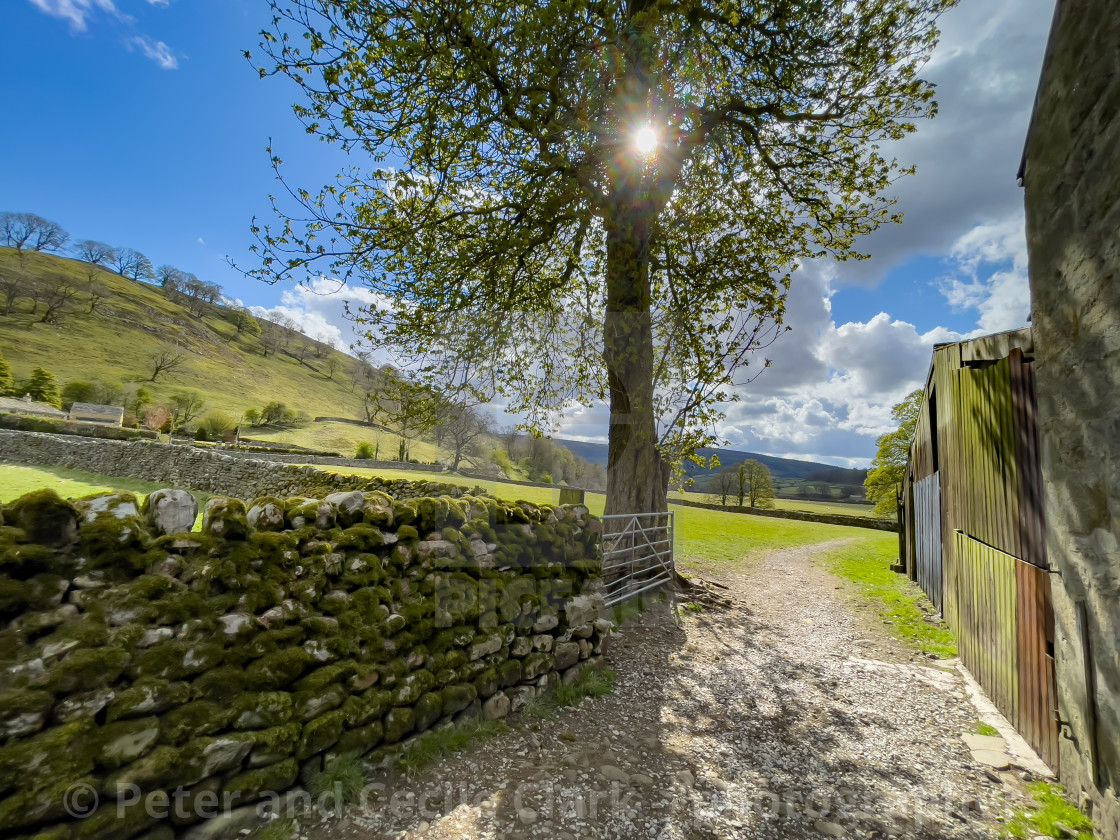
137 657
197 469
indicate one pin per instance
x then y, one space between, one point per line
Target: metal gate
637 554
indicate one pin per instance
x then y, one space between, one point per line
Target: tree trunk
637 478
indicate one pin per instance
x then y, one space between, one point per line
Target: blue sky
140 123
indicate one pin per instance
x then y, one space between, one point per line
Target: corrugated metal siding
927 537
1038 702
988 632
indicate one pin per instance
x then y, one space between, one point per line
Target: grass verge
343 780
436 744
1055 816
866 563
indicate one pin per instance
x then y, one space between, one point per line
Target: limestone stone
171 511
567 655
497 706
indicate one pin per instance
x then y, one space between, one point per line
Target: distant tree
365 451
724 485
133 265
165 360
56 295
755 484
187 405
244 321
12 285
463 429
170 278
884 480
135 398
217 423
7 383
252 417
108 393
78 392
96 293
43 387
95 253
410 406
333 364
273 413
26 231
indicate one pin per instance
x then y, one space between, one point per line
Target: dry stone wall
140 660
198 469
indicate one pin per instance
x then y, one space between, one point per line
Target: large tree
26 231
570 201
884 479
756 485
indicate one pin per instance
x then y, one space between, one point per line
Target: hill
792 478
108 329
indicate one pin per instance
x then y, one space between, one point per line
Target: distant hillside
108 330
792 478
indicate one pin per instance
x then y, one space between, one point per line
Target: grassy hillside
134 320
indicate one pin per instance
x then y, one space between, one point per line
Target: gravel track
791 714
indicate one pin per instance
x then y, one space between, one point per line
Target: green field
807 505
17 480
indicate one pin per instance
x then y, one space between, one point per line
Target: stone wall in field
1072 181
191 468
873 522
141 663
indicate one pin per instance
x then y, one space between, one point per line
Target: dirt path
789 715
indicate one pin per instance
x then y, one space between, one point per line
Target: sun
646 140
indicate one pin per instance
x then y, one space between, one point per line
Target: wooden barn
972 524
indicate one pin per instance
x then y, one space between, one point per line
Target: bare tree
94 289
464 428
170 278
26 231
333 365
13 286
56 295
165 361
133 265
726 481
95 253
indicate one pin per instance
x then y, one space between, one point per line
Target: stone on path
996 759
614 774
830 829
984 742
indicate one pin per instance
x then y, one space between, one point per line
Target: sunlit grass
866 563
1054 812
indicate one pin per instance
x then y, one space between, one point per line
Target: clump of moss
45 518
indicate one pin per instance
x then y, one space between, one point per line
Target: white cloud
201 241
157 51
990 275
77 11
320 309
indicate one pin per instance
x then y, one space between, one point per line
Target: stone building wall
1072 180
142 664
197 469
